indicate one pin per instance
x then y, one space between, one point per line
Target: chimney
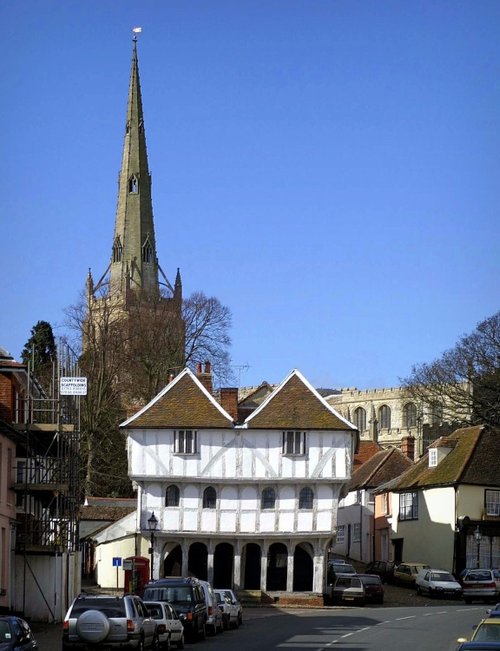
205 377
229 401
408 447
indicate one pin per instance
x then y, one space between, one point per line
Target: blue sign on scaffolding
117 561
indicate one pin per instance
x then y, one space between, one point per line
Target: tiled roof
296 405
382 467
105 513
184 403
473 460
365 451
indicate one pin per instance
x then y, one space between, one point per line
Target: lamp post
152 524
477 538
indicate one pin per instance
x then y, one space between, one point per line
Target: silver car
169 626
438 583
111 622
479 585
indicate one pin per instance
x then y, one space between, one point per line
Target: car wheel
468 600
419 590
202 633
240 619
180 643
141 645
155 643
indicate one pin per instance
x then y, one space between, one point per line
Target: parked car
348 588
479 585
478 646
438 583
335 569
235 602
168 625
187 597
214 613
15 633
406 573
230 609
111 622
374 588
494 612
383 569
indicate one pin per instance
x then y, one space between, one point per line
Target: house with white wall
251 504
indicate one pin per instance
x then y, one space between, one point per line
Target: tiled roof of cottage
105 513
381 468
295 404
184 403
473 460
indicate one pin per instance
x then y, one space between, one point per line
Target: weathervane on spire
136 30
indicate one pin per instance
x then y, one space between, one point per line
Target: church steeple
134 263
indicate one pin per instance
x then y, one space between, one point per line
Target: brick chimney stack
229 401
408 447
205 377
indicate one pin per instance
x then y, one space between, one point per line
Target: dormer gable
296 405
183 403
440 449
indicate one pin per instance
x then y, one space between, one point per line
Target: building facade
251 504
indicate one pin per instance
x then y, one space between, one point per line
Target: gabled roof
381 468
295 404
184 403
473 460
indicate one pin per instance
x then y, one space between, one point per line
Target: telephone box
136 574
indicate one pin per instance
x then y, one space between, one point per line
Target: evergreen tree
41 352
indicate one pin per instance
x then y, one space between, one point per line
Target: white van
214 623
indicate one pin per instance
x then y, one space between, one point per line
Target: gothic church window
117 250
384 417
209 498
172 496
133 185
306 498
360 418
147 251
268 498
409 415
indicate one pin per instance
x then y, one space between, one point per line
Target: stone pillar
263 568
210 565
237 566
185 553
289 568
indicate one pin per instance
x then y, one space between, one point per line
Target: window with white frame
185 441
356 532
385 503
433 457
408 506
492 502
341 533
294 443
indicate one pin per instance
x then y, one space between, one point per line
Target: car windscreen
176 594
442 576
110 607
371 580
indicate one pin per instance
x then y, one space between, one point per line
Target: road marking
400 619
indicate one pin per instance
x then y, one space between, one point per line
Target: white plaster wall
107 576
470 502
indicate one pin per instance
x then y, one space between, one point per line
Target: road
435 627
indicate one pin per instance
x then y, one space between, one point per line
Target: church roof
183 403
295 404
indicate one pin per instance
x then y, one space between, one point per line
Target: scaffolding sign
73 386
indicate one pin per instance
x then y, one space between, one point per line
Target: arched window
147 251
268 498
306 498
117 250
409 415
360 418
209 498
133 185
384 417
172 496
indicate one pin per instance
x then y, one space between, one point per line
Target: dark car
15 634
104 621
478 646
187 597
383 569
374 588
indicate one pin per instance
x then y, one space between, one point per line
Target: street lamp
477 538
152 524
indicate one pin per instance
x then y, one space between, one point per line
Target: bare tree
465 380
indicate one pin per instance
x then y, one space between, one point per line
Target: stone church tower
134 280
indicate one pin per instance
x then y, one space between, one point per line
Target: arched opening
277 562
223 566
251 564
198 561
172 565
303 568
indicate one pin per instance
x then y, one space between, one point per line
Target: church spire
134 262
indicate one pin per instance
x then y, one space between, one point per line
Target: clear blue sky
329 169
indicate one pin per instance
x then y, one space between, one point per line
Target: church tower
134 279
